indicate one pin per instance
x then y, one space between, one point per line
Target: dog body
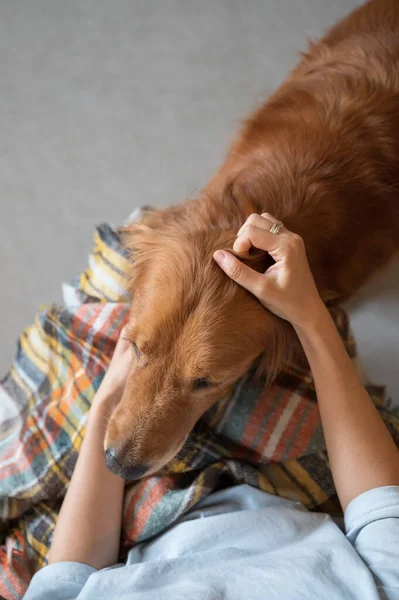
322 155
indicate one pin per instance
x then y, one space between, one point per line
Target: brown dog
322 155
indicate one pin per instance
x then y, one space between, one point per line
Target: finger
287 233
258 221
248 278
283 229
264 221
272 219
262 239
242 244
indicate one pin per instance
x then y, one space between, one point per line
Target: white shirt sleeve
59 581
372 526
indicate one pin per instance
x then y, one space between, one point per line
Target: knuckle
296 238
299 244
252 219
294 247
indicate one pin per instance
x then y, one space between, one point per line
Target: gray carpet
108 105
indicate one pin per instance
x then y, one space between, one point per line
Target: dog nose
131 472
136 472
111 462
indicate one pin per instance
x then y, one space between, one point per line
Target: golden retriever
322 155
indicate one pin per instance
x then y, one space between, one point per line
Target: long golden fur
322 155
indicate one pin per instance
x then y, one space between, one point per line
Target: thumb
248 278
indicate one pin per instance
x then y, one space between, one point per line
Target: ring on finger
275 228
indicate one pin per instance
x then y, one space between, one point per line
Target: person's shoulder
371 506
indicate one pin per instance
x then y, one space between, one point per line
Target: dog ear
141 239
145 238
143 235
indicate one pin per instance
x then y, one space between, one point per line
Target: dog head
193 331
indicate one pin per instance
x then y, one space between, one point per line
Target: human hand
113 384
287 288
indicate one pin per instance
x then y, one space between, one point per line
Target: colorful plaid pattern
269 438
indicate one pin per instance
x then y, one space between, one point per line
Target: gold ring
275 228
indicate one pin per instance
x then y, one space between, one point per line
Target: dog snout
115 464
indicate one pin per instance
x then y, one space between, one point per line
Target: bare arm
362 453
89 524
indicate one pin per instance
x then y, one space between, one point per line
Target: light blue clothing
244 544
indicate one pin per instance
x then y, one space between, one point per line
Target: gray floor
108 105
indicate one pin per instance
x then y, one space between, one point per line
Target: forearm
361 451
89 524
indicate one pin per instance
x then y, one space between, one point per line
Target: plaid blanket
270 438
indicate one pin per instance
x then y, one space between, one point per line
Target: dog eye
136 349
201 383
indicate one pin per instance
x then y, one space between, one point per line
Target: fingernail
219 257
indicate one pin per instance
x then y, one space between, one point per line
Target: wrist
314 321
